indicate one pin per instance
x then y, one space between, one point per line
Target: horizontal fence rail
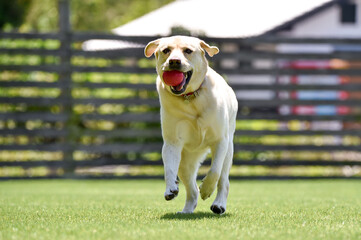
65 111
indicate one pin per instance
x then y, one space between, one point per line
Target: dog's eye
166 51
188 51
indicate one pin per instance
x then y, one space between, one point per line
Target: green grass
65 209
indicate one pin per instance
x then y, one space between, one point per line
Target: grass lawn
118 209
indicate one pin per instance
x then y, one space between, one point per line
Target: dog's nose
175 63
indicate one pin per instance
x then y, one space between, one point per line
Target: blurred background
78 97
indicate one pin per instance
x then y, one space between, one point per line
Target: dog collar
192 95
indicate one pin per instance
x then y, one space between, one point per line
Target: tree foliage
86 15
12 13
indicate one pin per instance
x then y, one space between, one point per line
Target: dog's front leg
171 158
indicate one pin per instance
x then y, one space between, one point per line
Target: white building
218 18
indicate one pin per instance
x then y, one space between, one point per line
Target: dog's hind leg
209 183
188 175
219 204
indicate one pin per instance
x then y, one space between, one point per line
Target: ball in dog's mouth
177 80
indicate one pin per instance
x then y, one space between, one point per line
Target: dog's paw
171 194
185 212
206 190
208 186
218 209
203 192
189 207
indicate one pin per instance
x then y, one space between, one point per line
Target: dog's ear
211 50
151 48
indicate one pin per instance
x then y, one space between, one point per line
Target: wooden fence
66 112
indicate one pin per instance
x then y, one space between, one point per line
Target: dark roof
289 24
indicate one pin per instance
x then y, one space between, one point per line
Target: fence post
66 82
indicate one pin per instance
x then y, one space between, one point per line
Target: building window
348 12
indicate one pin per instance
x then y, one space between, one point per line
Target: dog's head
182 54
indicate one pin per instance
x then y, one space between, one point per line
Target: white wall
327 24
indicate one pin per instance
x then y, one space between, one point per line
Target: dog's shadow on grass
192 216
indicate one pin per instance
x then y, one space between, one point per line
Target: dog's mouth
180 88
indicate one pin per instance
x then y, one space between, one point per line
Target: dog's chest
196 123
196 127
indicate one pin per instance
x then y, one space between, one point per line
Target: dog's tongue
174 78
180 86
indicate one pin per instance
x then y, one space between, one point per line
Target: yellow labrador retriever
198 114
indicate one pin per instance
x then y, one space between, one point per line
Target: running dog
198 116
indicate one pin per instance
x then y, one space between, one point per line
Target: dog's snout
175 63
